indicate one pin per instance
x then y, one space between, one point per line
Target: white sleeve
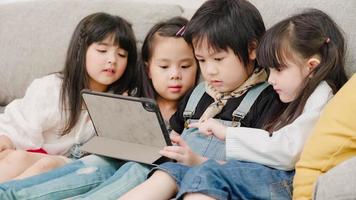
282 150
24 119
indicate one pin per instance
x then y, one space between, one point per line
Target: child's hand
173 134
211 127
5 143
181 152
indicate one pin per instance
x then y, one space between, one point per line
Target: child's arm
5 143
25 119
282 150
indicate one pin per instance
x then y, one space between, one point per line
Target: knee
135 168
209 166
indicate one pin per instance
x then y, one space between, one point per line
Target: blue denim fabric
126 178
176 170
237 180
207 146
72 179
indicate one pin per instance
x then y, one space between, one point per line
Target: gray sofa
34 34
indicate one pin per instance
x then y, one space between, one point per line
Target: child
167 74
305 57
224 34
51 116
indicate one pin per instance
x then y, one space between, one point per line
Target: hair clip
327 40
181 31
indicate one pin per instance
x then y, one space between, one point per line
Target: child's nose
271 79
111 59
211 69
176 74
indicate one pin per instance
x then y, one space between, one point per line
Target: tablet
127 128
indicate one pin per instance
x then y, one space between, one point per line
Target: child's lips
109 71
175 88
277 90
216 83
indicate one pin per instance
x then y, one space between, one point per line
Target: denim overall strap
246 104
210 146
193 101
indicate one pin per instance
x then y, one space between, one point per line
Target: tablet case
127 128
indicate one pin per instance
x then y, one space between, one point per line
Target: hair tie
327 40
181 31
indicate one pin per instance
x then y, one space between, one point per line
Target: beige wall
192 4
189 6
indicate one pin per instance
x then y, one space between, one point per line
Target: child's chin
222 89
285 99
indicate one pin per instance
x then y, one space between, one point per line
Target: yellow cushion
332 141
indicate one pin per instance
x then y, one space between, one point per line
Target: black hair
235 24
300 37
94 28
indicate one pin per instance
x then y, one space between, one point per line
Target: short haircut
226 24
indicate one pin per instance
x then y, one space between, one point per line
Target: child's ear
312 64
252 50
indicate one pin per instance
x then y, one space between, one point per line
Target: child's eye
218 59
280 68
201 60
163 66
276 69
185 66
101 50
123 55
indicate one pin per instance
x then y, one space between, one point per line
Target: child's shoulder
323 88
47 83
267 94
264 107
267 99
49 80
321 95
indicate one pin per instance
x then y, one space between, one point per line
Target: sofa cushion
34 35
342 11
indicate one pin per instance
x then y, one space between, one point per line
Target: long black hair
300 37
94 28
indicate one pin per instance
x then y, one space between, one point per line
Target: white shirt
36 120
282 150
